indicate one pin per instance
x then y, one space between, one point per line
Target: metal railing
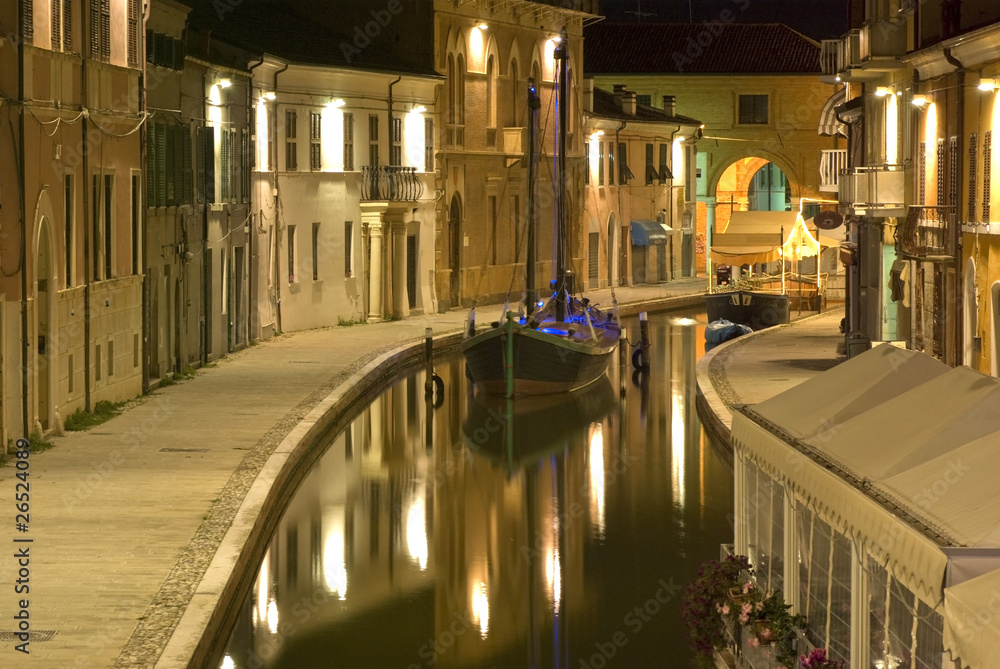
831 163
928 233
390 183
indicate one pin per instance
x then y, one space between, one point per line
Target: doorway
43 325
411 271
454 250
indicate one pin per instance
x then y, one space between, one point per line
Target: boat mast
534 104
564 278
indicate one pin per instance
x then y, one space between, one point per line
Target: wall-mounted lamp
482 26
225 83
419 109
837 78
919 100
988 85
335 104
883 91
596 134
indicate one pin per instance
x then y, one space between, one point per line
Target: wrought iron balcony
929 233
831 164
390 183
877 190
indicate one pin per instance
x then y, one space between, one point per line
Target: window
753 110
136 218
940 174
205 163
97 362
62 24
69 207
100 29
624 173
491 93
689 173
315 146
664 172
348 142
611 163
972 177
291 254
373 140
315 251
922 174
644 100
164 50
29 19
291 146
428 145
586 162
396 144
987 172
109 202
111 358
515 223
348 249
600 163
133 33
492 213
593 253
224 167
651 173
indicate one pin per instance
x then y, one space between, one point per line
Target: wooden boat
565 344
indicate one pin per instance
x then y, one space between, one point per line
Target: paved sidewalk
758 366
127 519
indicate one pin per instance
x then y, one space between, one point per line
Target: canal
540 533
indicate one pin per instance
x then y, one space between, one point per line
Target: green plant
167 381
345 324
775 624
37 444
706 598
189 372
817 659
84 420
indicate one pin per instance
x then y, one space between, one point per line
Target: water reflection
554 532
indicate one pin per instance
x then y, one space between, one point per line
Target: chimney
588 94
628 103
670 105
619 89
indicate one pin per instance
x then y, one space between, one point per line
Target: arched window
451 88
515 89
460 90
491 93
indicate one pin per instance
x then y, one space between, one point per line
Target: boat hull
756 310
542 362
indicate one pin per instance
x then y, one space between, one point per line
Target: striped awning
828 123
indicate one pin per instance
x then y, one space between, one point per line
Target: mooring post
429 361
622 358
644 340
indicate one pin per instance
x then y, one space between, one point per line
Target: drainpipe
670 203
145 353
277 228
24 228
956 234
253 309
613 281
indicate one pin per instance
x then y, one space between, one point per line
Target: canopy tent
898 451
649 233
972 620
764 236
828 122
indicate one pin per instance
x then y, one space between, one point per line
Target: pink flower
744 618
746 608
725 609
746 587
754 642
759 606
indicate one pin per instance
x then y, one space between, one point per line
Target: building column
709 230
400 298
372 214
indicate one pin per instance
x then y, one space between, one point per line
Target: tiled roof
606 107
277 28
698 48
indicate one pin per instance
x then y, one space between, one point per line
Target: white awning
972 620
893 448
828 123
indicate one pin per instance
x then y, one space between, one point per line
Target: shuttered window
315 141
56 25
593 248
987 172
100 29
133 32
29 19
972 176
225 167
67 23
348 142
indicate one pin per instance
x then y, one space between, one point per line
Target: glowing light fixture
988 85
482 26
919 100
837 78
882 91
225 83
419 110
595 135
335 104
270 95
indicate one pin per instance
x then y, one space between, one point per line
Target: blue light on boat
553 331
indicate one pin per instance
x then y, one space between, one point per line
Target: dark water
538 533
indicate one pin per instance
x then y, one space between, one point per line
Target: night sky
819 19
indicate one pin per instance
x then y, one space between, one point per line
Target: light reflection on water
546 533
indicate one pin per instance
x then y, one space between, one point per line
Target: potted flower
775 625
707 597
818 660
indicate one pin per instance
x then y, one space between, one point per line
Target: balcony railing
831 57
883 39
831 164
929 233
390 183
874 191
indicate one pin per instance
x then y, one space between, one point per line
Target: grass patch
345 324
84 420
167 381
